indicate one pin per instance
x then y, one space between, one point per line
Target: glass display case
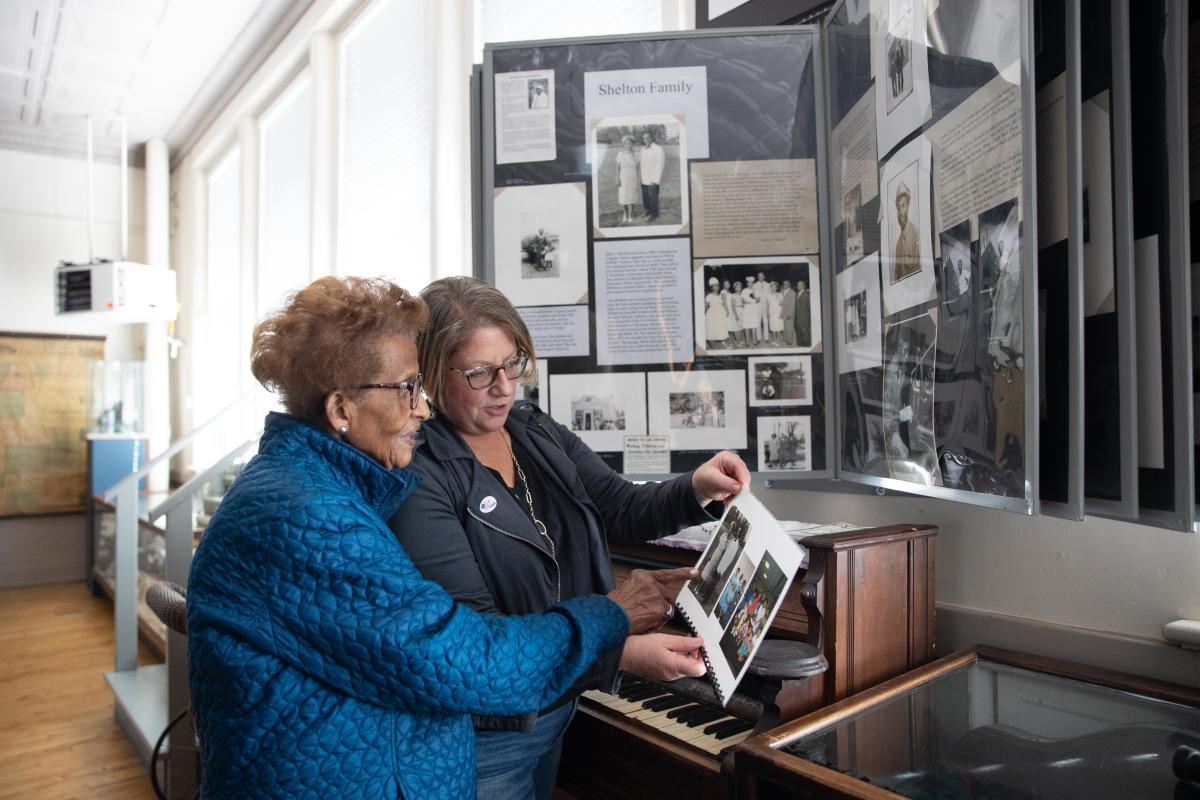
985 723
116 397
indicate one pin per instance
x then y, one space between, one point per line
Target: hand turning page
744 575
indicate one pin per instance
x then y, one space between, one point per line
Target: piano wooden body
875 596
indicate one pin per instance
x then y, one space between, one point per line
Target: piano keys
874 597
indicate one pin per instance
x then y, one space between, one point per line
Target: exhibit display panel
933 248
653 206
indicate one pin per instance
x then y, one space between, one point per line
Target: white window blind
386 144
220 355
285 196
523 20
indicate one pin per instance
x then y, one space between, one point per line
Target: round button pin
487 504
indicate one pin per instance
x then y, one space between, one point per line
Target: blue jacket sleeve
347 607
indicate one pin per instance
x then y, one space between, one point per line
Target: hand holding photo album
745 573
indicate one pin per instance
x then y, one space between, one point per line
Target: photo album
745 573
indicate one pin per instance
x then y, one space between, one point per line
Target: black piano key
682 711
708 716
663 703
723 730
645 693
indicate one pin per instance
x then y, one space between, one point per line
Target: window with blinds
285 196
386 144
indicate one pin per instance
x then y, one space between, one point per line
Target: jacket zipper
557 569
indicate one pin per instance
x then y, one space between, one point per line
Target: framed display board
654 208
933 222
728 238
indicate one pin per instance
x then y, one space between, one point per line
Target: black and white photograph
748 306
538 93
539 252
536 388
909 352
907 248
856 316
784 443
699 410
780 380
1000 273
897 48
860 343
717 563
637 177
862 423
954 276
540 243
748 624
901 64
851 223
600 408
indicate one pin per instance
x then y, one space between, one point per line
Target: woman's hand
722 477
648 597
663 656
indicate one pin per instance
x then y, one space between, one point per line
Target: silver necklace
537 523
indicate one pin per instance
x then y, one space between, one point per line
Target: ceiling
163 64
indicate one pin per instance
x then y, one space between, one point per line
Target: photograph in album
744 573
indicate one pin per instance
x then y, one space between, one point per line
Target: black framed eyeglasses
414 389
483 377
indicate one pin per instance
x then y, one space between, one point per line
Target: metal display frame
485 259
1029 502
1073 508
1124 278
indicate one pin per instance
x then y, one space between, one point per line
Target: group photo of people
756 307
783 442
750 617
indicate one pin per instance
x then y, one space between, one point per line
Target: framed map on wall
43 414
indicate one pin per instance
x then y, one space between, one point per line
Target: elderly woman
514 512
321 663
629 182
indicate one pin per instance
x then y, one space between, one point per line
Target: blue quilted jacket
322 665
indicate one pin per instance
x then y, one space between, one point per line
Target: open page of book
745 573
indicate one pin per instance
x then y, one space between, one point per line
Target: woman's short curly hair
327 336
457 308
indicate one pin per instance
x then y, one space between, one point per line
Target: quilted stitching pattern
322 665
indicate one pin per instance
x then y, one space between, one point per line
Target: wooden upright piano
874 594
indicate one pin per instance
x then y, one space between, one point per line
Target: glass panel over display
932 248
991 730
653 207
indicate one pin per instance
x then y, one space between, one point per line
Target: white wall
1097 591
43 220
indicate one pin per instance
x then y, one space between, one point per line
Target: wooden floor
58 737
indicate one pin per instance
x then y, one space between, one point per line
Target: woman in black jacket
514 511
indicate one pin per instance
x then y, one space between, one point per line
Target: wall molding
961 626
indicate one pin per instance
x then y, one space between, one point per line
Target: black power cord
158 790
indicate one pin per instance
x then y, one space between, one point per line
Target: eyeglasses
483 377
413 389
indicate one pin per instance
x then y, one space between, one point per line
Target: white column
158 254
323 69
452 45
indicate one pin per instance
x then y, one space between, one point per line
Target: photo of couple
637 169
